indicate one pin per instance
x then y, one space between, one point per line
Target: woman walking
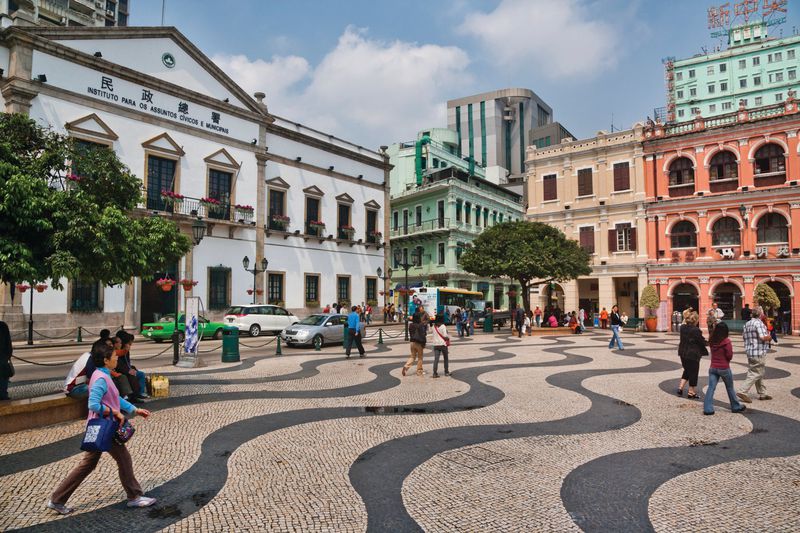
441 341
721 355
616 324
417 333
691 348
104 400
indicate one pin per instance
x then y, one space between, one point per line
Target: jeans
714 375
460 328
79 392
437 351
538 321
142 383
615 337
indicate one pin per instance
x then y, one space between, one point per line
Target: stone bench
16 415
539 332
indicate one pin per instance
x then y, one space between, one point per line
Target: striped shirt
752 334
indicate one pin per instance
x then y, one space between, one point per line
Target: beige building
593 191
64 12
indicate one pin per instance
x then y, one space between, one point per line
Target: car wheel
217 334
317 340
159 341
255 330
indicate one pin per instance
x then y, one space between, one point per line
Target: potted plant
376 236
250 292
212 205
187 284
349 231
22 287
166 284
282 221
40 287
765 296
317 225
259 291
244 212
171 198
312 303
649 300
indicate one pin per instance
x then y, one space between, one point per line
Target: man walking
354 332
756 343
519 318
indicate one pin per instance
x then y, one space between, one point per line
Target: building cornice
775 195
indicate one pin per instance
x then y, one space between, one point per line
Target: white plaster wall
147 59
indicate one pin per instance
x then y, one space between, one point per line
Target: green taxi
162 330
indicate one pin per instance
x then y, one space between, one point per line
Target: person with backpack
441 343
720 369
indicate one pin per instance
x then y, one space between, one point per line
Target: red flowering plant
187 284
209 201
22 287
317 224
244 208
165 284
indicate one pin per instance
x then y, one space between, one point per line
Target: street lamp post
255 270
198 232
402 263
384 278
30 320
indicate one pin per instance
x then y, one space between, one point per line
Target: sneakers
765 397
141 501
744 397
435 376
59 508
742 410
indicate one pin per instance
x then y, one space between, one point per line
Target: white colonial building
182 125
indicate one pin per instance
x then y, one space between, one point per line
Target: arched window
725 232
683 235
724 166
772 227
681 172
769 158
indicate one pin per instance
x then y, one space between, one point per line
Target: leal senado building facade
310 203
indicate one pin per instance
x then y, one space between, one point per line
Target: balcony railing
193 207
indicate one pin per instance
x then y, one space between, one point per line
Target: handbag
124 432
99 434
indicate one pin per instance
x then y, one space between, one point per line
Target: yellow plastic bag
158 386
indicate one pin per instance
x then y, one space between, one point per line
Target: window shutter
622 180
612 240
584 182
633 239
550 190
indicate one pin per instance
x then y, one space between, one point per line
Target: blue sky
376 71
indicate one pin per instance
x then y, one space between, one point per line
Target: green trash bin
230 344
488 323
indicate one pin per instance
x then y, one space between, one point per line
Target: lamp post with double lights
384 278
255 271
198 232
402 263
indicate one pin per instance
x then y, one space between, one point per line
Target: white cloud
366 91
559 37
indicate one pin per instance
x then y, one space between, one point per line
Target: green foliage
765 296
59 225
649 298
531 253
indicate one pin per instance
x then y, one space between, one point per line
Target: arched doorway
685 295
783 294
729 299
555 296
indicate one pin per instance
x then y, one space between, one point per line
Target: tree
766 297
649 299
67 211
531 253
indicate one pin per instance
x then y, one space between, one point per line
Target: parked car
322 327
257 318
162 330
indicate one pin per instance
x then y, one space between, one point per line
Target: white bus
437 300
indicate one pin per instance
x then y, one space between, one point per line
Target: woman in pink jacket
104 400
721 355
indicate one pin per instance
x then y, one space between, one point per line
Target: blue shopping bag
99 434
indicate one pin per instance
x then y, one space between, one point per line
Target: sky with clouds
375 72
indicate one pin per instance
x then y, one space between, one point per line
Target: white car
257 318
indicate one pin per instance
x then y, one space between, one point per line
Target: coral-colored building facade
723 209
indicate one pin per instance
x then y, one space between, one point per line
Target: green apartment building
753 71
439 203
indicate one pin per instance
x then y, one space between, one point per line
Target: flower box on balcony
171 198
317 224
280 222
212 205
348 231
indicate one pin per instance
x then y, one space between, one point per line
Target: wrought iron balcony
194 207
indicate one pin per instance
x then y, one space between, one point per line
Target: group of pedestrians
693 347
418 338
464 319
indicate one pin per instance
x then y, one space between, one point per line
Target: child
441 341
721 355
526 326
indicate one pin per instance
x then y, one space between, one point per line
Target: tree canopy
649 298
766 297
66 211
531 253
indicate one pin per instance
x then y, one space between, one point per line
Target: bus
435 300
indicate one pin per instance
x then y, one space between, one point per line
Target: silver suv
257 318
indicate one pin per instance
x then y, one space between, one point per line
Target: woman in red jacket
721 355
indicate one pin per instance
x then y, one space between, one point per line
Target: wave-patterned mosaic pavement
533 434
